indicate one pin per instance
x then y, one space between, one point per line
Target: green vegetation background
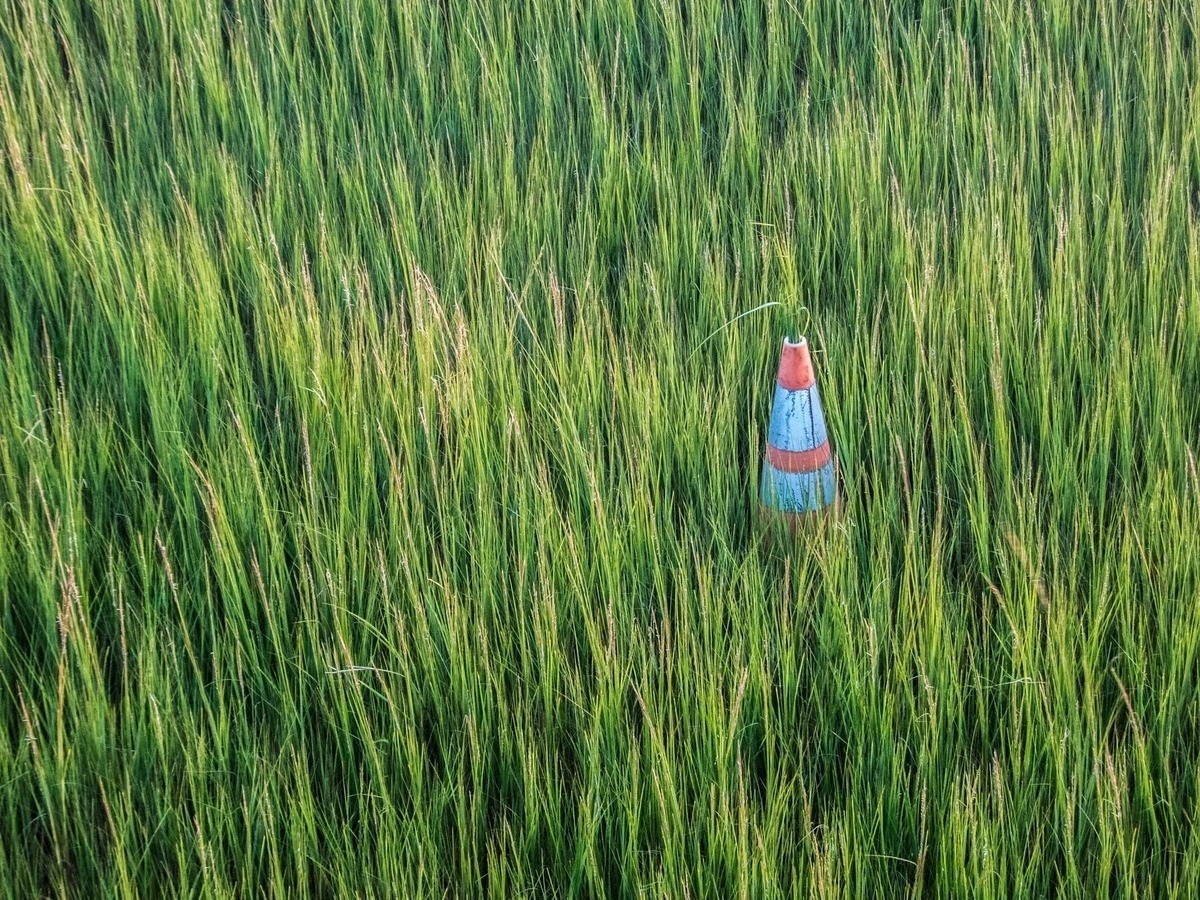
370 524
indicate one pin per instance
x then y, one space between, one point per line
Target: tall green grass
376 520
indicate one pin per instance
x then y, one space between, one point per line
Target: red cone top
795 366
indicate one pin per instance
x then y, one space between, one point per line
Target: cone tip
795 365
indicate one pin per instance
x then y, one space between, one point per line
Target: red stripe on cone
798 460
795 366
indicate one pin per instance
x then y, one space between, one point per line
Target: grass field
378 463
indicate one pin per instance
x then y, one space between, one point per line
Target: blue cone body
797 419
798 492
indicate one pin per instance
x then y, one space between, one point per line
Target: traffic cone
799 477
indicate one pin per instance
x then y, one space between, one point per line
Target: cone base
798 492
786 525
792 525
